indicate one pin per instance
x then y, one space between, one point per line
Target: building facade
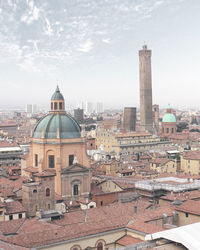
57 144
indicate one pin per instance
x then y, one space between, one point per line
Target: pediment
75 168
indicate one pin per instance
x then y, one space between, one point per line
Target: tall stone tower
146 115
129 118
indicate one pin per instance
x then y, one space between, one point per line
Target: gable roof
74 169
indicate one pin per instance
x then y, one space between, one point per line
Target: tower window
51 161
75 189
60 105
48 192
55 105
51 105
71 159
36 160
167 130
172 130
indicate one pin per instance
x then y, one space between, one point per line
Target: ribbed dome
54 126
57 95
169 117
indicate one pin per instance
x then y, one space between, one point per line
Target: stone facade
129 118
39 194
146 115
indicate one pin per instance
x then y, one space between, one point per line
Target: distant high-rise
78 115
99 107
146 116
29 108
129 118
89 108
34 108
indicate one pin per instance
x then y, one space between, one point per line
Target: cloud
106 41
47 27
86 47
32 13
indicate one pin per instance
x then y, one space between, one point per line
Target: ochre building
57 144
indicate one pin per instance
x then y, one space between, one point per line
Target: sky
90 49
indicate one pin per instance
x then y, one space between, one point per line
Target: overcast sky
90 48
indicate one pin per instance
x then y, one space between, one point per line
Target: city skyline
90 49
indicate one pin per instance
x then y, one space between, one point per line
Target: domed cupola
169 123
57 124
169 116
57 101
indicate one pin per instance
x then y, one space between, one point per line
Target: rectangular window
36 160
55 105
51 161
1 213
10 217
60 105
71 159
20 216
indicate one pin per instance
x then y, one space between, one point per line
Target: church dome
57 125
169 117
57 95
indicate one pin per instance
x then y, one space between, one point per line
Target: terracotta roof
191 195
7 246
133 134
190 206
128 240
124 184
14 207
84 201
15 167
31 169
6 144
191 155
45 173
10 227
6 192
143 227
35 233
161 161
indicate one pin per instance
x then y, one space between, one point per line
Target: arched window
34 190
75 189
76 247
47 192
100 246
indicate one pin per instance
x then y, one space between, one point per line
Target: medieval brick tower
146 116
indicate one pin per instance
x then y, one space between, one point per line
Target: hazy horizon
90 49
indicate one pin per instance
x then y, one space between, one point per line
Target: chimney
135 209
